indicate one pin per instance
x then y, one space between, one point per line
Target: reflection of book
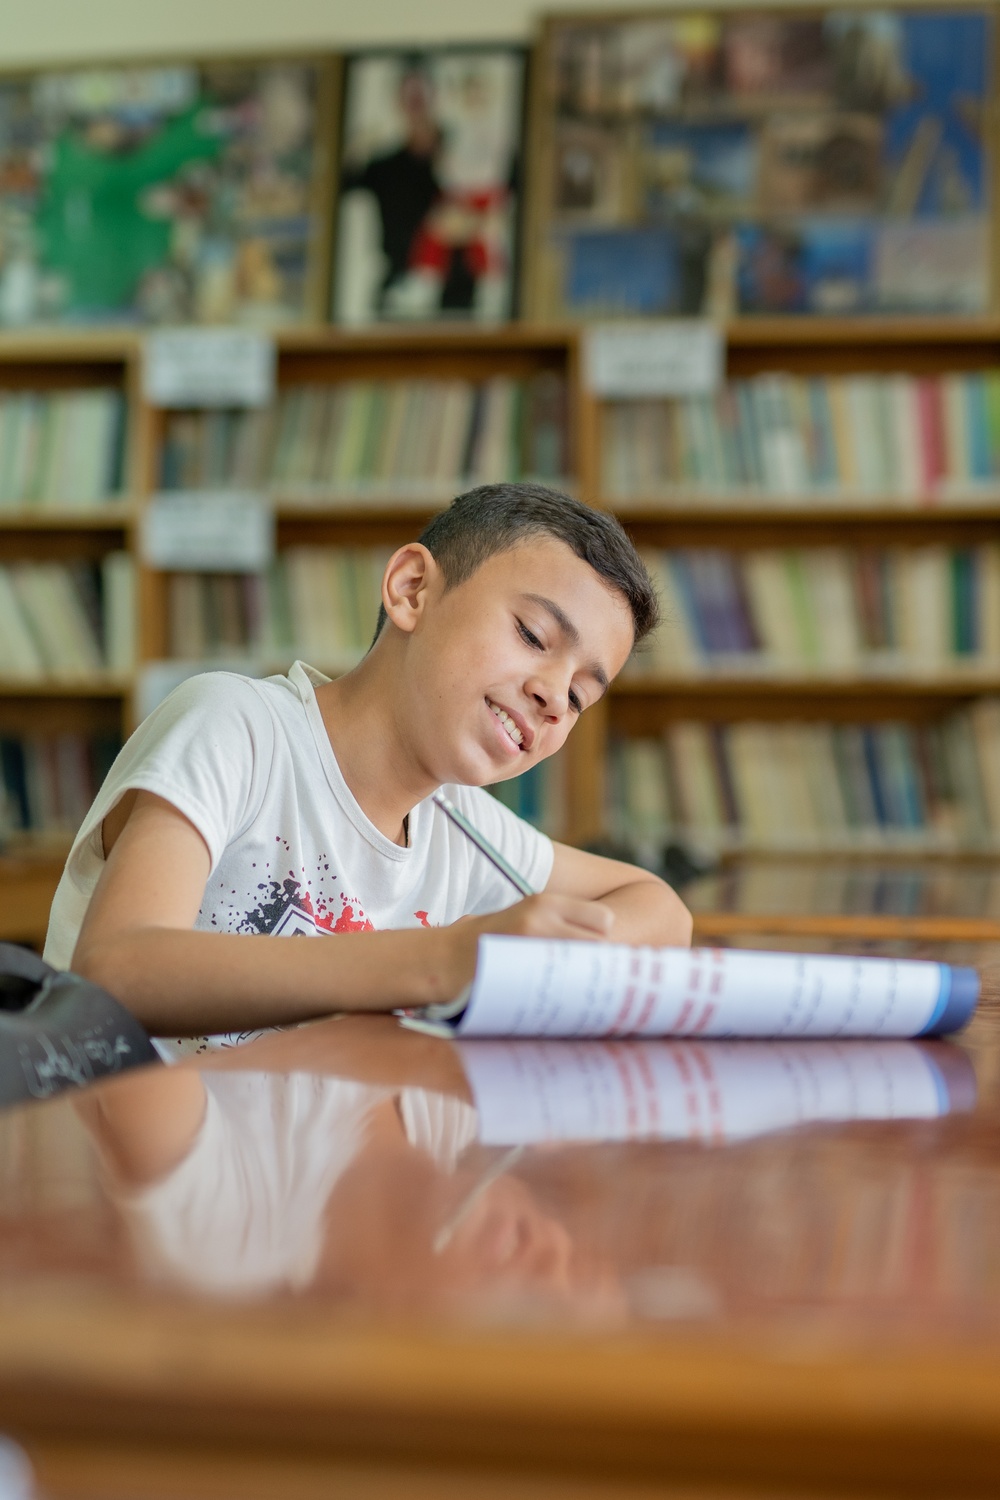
540 987
527 1093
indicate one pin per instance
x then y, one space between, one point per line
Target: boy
301 806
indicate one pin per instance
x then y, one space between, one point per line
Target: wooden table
813 1312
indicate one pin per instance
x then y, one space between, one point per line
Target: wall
65 30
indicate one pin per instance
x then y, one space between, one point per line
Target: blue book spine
680 567
977 428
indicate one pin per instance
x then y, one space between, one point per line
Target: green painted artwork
157 195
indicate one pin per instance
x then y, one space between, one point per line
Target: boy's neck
372 751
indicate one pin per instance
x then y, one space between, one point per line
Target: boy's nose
552 698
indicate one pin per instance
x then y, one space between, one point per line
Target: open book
537 987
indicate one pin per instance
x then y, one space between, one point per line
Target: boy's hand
544 916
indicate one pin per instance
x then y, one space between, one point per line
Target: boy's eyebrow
571 633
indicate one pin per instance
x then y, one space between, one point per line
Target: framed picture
428 188
170 193
715 163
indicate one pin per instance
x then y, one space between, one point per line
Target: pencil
483 845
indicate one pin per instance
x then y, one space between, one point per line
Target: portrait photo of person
428 185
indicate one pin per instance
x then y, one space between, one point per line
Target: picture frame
169 191
721 163
429 185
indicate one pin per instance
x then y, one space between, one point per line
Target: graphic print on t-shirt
286 904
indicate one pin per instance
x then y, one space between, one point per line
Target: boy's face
501 666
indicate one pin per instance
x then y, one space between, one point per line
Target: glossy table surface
419 1268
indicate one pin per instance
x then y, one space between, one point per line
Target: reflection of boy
333 1175
403 182
301 806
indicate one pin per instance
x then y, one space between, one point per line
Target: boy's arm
137 941
645 908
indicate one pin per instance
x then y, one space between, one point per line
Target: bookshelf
648 703
642 704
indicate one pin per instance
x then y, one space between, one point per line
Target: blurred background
277 283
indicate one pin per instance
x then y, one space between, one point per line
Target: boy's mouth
516 731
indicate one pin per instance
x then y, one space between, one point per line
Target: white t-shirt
245 1211
251 765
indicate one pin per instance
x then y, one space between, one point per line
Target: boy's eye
533 641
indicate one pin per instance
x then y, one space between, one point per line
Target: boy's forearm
649 912
181 983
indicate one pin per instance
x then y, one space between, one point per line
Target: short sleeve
530 852
207 750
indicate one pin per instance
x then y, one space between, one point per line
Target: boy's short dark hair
495 517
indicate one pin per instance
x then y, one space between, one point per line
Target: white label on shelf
209 367
665 357
208 531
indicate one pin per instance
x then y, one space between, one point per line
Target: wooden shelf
61 345
801 511
750 331
479 337
116 515
952 686
65 687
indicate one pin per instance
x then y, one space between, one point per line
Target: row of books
807 786
61 449
826 610
48 782
372 439
854 438
318 602
67 620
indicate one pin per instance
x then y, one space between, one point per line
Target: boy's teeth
508 723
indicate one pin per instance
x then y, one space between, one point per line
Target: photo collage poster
427 215
174 193
721 164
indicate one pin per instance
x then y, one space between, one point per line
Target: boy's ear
410 572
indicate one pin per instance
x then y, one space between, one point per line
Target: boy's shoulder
228 696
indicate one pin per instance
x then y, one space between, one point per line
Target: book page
531 1092
540 987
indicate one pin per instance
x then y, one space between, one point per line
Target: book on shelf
850 440
320 603
805 786
371 440
61 449
66 620
917 610
48 782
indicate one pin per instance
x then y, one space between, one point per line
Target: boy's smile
513 728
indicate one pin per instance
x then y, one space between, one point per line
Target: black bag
58 1031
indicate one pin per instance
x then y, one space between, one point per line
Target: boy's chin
480 770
